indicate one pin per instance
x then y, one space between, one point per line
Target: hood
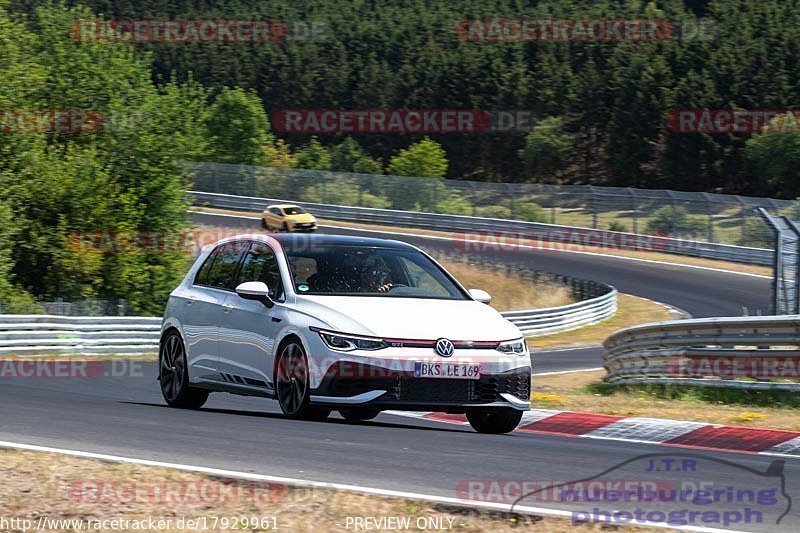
305 217
410 318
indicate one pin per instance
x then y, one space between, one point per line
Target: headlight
513 347
347 343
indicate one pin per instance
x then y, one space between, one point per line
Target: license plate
447 370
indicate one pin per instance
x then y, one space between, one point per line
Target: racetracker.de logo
68 368
402 121
52 121
564 30
195 31
722 121
766 366
558 239
149 242
510 490
162 491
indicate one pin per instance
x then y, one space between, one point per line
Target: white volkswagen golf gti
324 322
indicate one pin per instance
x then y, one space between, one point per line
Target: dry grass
509 292
652 256
63 487
631 311
577 392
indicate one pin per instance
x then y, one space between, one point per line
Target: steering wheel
391 286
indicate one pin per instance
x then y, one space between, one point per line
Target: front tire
494 421
292 384
174 375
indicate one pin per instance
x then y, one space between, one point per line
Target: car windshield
369 271
294 210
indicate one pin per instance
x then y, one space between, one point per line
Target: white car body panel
232 343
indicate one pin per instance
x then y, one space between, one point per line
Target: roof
292 240
282 206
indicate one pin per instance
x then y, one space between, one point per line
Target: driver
375 275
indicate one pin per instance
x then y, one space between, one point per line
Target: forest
602 107
604 112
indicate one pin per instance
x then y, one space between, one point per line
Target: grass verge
509 292
58 487
652 256
631 311
585 391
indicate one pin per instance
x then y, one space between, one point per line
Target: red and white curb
647 431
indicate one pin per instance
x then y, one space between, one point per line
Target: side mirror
255 290
481 296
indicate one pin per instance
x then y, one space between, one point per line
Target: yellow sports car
287 217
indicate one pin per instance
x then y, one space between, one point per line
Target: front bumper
304 226
357 384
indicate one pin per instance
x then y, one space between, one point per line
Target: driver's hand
385 288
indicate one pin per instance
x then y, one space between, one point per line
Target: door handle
226 308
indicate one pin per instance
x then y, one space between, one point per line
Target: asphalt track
126 416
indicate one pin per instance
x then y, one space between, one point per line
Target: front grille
485 390
350 379
436 390
517 384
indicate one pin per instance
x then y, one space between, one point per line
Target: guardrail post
793 226
786 264
593 207
710 224
634 213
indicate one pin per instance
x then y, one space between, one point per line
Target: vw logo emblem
444 347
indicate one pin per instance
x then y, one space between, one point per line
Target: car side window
260 264
202 275
222 274
276 211
419 278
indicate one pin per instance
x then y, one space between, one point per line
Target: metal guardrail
567 317
474 228
42 334
715 218
740 352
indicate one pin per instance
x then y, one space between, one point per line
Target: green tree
774 156
454 204
675 221
314 156
62 189
548 148
237 128
425 164
494 211
348 156
279 155
528 211
342 191
423 159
